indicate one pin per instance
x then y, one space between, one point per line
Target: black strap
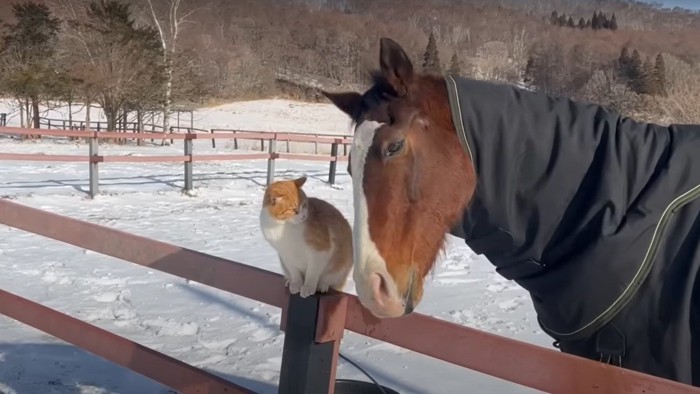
610 345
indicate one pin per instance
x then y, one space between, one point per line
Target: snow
236 338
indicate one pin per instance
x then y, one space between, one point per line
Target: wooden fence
134 128
313 327
93 158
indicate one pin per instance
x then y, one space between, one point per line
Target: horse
595 214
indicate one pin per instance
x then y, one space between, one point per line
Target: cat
311 236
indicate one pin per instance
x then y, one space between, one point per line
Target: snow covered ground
233 337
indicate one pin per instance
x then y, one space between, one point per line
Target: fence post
271 160
334 163
313 328
94 170
213 141
188 162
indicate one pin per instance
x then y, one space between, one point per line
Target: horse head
411 180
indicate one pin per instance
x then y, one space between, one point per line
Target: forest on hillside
134 56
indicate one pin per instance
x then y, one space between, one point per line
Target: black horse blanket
596 215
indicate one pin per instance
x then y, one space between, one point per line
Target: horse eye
394 148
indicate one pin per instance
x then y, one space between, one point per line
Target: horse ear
348 102
300 182
395 65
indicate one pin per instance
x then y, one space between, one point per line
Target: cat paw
295 288
307 291
323 288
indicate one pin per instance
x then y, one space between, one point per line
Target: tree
646 80
168 30
581 23
570 22
431 58
127 58
28 53
623 64
529 74
603 21
595 22
660 76
455 65
562 20
613 22
635 72
554 18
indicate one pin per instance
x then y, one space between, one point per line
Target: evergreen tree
603 20
431 57
613 22
455 65
554 18
595 22
529 74
646 82
581 23
588 24
623 64
562 20
28 54
570 22
635 72
660 75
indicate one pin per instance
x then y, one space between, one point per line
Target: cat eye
394 148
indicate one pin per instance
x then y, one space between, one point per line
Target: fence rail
93 158
313 327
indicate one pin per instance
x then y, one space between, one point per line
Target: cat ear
300 182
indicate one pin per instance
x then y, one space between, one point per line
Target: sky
690 4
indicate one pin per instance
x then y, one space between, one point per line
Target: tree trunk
87 113
139 124
70 110
21 113
168 92
111 115
35 112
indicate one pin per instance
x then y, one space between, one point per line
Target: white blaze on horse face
369 266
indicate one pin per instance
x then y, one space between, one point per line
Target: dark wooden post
188 161
271 159
313 327
334 163
94 169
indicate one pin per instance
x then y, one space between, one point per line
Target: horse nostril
380 289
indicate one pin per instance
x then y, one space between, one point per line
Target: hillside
228 50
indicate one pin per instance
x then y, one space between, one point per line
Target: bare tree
125 58
168 30
682 105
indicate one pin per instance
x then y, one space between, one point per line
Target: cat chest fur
288 238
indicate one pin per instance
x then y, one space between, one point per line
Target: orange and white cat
312 238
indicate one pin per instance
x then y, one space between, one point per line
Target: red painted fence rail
508 359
